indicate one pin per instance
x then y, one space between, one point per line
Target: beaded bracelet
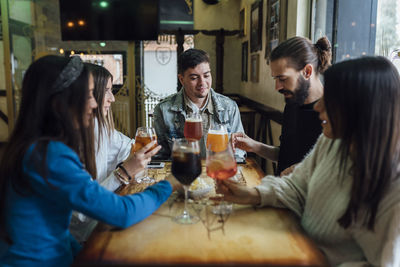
124 170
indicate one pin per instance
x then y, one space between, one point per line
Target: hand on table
137 161
238 193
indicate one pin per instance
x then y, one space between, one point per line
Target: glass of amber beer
144 135
193 129
217 138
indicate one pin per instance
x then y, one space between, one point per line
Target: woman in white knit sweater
347 189
111 148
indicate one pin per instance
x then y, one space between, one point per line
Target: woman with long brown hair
111 148
347 190
48 167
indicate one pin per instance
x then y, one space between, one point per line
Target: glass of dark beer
193 129
186 167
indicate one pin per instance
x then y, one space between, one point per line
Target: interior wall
303 18
292 18
263 91
214 17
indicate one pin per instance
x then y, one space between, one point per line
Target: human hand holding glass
144 136
186 167
242 141
221 165
238 193
138 160
193 129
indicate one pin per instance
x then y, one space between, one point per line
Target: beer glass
217 138
221 165
193 129
144 135
186 167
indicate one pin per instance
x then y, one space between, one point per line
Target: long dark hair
362 99
100 77
300 51
47 113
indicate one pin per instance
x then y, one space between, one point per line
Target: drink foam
221 132
193 120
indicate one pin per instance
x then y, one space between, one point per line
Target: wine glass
144 135
193 129
186 167
217 137
221 165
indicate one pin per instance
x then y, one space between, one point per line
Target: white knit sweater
319 194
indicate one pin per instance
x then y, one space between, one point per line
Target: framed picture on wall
254 68
275 27
242 23
256 26
245 52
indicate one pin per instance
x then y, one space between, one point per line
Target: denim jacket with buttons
169 120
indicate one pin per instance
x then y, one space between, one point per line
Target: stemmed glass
221 165
144 135
186 167
193 129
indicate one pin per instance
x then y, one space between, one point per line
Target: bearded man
296 65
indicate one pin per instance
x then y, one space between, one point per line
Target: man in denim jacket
196 95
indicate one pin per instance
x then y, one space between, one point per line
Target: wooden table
248 236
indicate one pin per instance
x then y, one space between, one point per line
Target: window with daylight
373 30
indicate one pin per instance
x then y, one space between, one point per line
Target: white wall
303 18
161 79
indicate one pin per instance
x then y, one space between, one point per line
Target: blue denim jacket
169 120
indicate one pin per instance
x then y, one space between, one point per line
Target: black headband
68 75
